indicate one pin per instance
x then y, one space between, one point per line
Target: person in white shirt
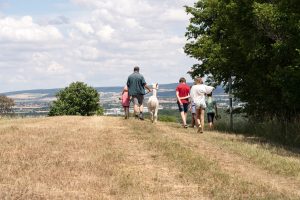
197 94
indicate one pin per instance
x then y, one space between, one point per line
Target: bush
6 105
100 111
77 99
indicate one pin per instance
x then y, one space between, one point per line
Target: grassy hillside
111 158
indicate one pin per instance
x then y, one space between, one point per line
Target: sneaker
199 130
141 117
185 126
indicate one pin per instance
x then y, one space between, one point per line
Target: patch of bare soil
232 163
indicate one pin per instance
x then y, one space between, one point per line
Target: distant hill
165 90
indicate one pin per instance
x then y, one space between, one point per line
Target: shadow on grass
271 135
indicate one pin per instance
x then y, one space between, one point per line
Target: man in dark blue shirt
136 89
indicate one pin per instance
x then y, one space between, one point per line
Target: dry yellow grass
81 158
110 158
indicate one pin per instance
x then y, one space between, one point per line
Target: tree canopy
76 99
257 43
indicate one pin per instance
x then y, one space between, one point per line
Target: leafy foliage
257 42
77 99
6 105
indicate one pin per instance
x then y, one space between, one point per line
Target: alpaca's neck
154 93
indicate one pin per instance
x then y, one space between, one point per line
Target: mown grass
216 183
272 158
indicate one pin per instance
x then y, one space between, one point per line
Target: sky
51 43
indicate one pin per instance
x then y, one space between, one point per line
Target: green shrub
100 111
77 99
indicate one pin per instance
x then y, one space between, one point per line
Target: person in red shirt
182 94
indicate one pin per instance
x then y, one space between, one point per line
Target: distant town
37 102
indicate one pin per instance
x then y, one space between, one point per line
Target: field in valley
113 158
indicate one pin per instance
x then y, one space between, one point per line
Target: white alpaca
153 104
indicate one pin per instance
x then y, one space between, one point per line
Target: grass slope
110 158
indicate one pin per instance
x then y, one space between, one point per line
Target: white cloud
99 44
132 23
44 64
122 7
18 79
105 33
84 28
25 30
86 53
175 15
177 40
56 68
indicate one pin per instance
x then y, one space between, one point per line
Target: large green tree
257 43
76 99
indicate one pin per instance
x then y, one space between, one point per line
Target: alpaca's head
155 86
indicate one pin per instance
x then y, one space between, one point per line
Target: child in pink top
125 102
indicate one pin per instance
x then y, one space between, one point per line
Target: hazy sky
51 43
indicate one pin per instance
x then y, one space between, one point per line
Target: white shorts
200 104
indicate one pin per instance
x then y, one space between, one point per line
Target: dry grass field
111 158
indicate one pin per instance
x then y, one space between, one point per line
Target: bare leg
200 126
193 120
198 113
141 115
127 112
141 108
183 118
136 110
202 119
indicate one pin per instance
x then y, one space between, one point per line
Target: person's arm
186 97
120 98
209 89
147 87
178 98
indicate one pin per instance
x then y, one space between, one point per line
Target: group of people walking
196 99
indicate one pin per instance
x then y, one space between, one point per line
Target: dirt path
149 176
230 162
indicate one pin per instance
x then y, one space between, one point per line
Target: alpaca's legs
155 114
152 116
